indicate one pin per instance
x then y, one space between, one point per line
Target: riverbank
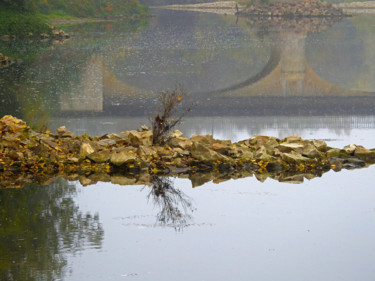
306 9
16 24
367 7
56 21
36 20
221 8
27 155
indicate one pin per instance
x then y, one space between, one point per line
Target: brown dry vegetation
169 114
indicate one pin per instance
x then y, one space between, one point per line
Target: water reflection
249 68
206 54
174 205
48 74
39 226
287 72
284 84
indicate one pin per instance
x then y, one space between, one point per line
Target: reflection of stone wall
89 95
290 75
298 24
227 126
293 67
292 9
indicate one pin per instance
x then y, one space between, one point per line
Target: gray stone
61 130
263 155
258 141
85 150
320 145
123 157
140 138
309 150
143 128
203 139
335 152
294 157
288 147
221 148
147 151
100 156
68 134
205 154
350 148
106 142
180 142
364 154
176 134
293 139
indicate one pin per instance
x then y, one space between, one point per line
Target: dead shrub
172 108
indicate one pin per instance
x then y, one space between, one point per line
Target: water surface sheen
248 78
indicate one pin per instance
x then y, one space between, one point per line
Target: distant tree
25 5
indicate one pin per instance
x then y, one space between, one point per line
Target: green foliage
91 8
21 5
22 17
59 14
21 23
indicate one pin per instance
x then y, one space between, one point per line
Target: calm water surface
248 78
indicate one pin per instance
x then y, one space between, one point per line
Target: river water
311 78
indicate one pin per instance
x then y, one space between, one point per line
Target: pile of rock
25 152
296 24
5 61
59 34
55 34
307 8
357 5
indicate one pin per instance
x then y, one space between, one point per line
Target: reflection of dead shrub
174 204
170 112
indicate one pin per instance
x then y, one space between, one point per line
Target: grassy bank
21 23
32 19
90 8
